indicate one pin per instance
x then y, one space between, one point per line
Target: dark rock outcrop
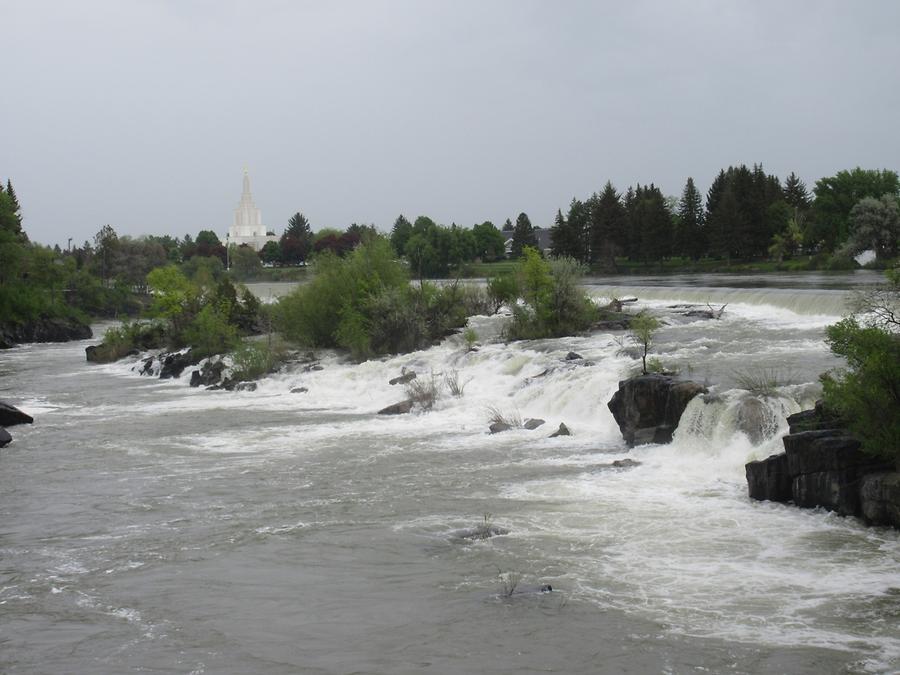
208 375
825 467
400 408
879 498
533 423
573 356
5 438
498 427
43 330
562 431
11 416
299 390
769 479
626 463
174 364
647 408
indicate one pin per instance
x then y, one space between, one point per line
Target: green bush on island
866 395
552 303
254 358
122 340
364 303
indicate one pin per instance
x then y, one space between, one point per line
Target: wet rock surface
400 408
647 408
825 467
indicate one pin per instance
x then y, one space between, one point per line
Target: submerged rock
5 438
626 463
480 532
400 408
299 390
573 356
10 415
533 423
245 386
647 408
562 431
498 427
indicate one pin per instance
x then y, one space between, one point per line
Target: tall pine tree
523 235
690 238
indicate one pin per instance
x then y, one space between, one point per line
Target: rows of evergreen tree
747 215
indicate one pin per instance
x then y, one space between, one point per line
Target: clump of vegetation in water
552 305
365 303
122 340
254 358
763 382
866 395
498 416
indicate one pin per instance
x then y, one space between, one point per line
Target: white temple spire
248 227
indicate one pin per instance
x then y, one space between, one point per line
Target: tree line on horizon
746 215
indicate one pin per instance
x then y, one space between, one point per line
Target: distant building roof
541 234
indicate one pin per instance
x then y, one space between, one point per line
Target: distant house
542 236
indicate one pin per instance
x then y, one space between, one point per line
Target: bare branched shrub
485 528
497 416
764 382
508 582
454 386
424 391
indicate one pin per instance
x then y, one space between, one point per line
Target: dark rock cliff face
822 465
43 330
647 407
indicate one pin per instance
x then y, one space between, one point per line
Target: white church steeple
247 227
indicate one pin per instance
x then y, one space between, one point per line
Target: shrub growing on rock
866 395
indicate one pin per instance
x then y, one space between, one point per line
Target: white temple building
247 227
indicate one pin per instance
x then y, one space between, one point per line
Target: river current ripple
149 527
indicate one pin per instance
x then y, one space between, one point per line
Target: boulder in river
5 438
533 423
573 356
299 390
647 408
498 427
10 415
400 408
562 431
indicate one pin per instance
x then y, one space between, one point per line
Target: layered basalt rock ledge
822 466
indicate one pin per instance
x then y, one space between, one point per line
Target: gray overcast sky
143 114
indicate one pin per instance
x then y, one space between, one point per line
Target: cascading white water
194 523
